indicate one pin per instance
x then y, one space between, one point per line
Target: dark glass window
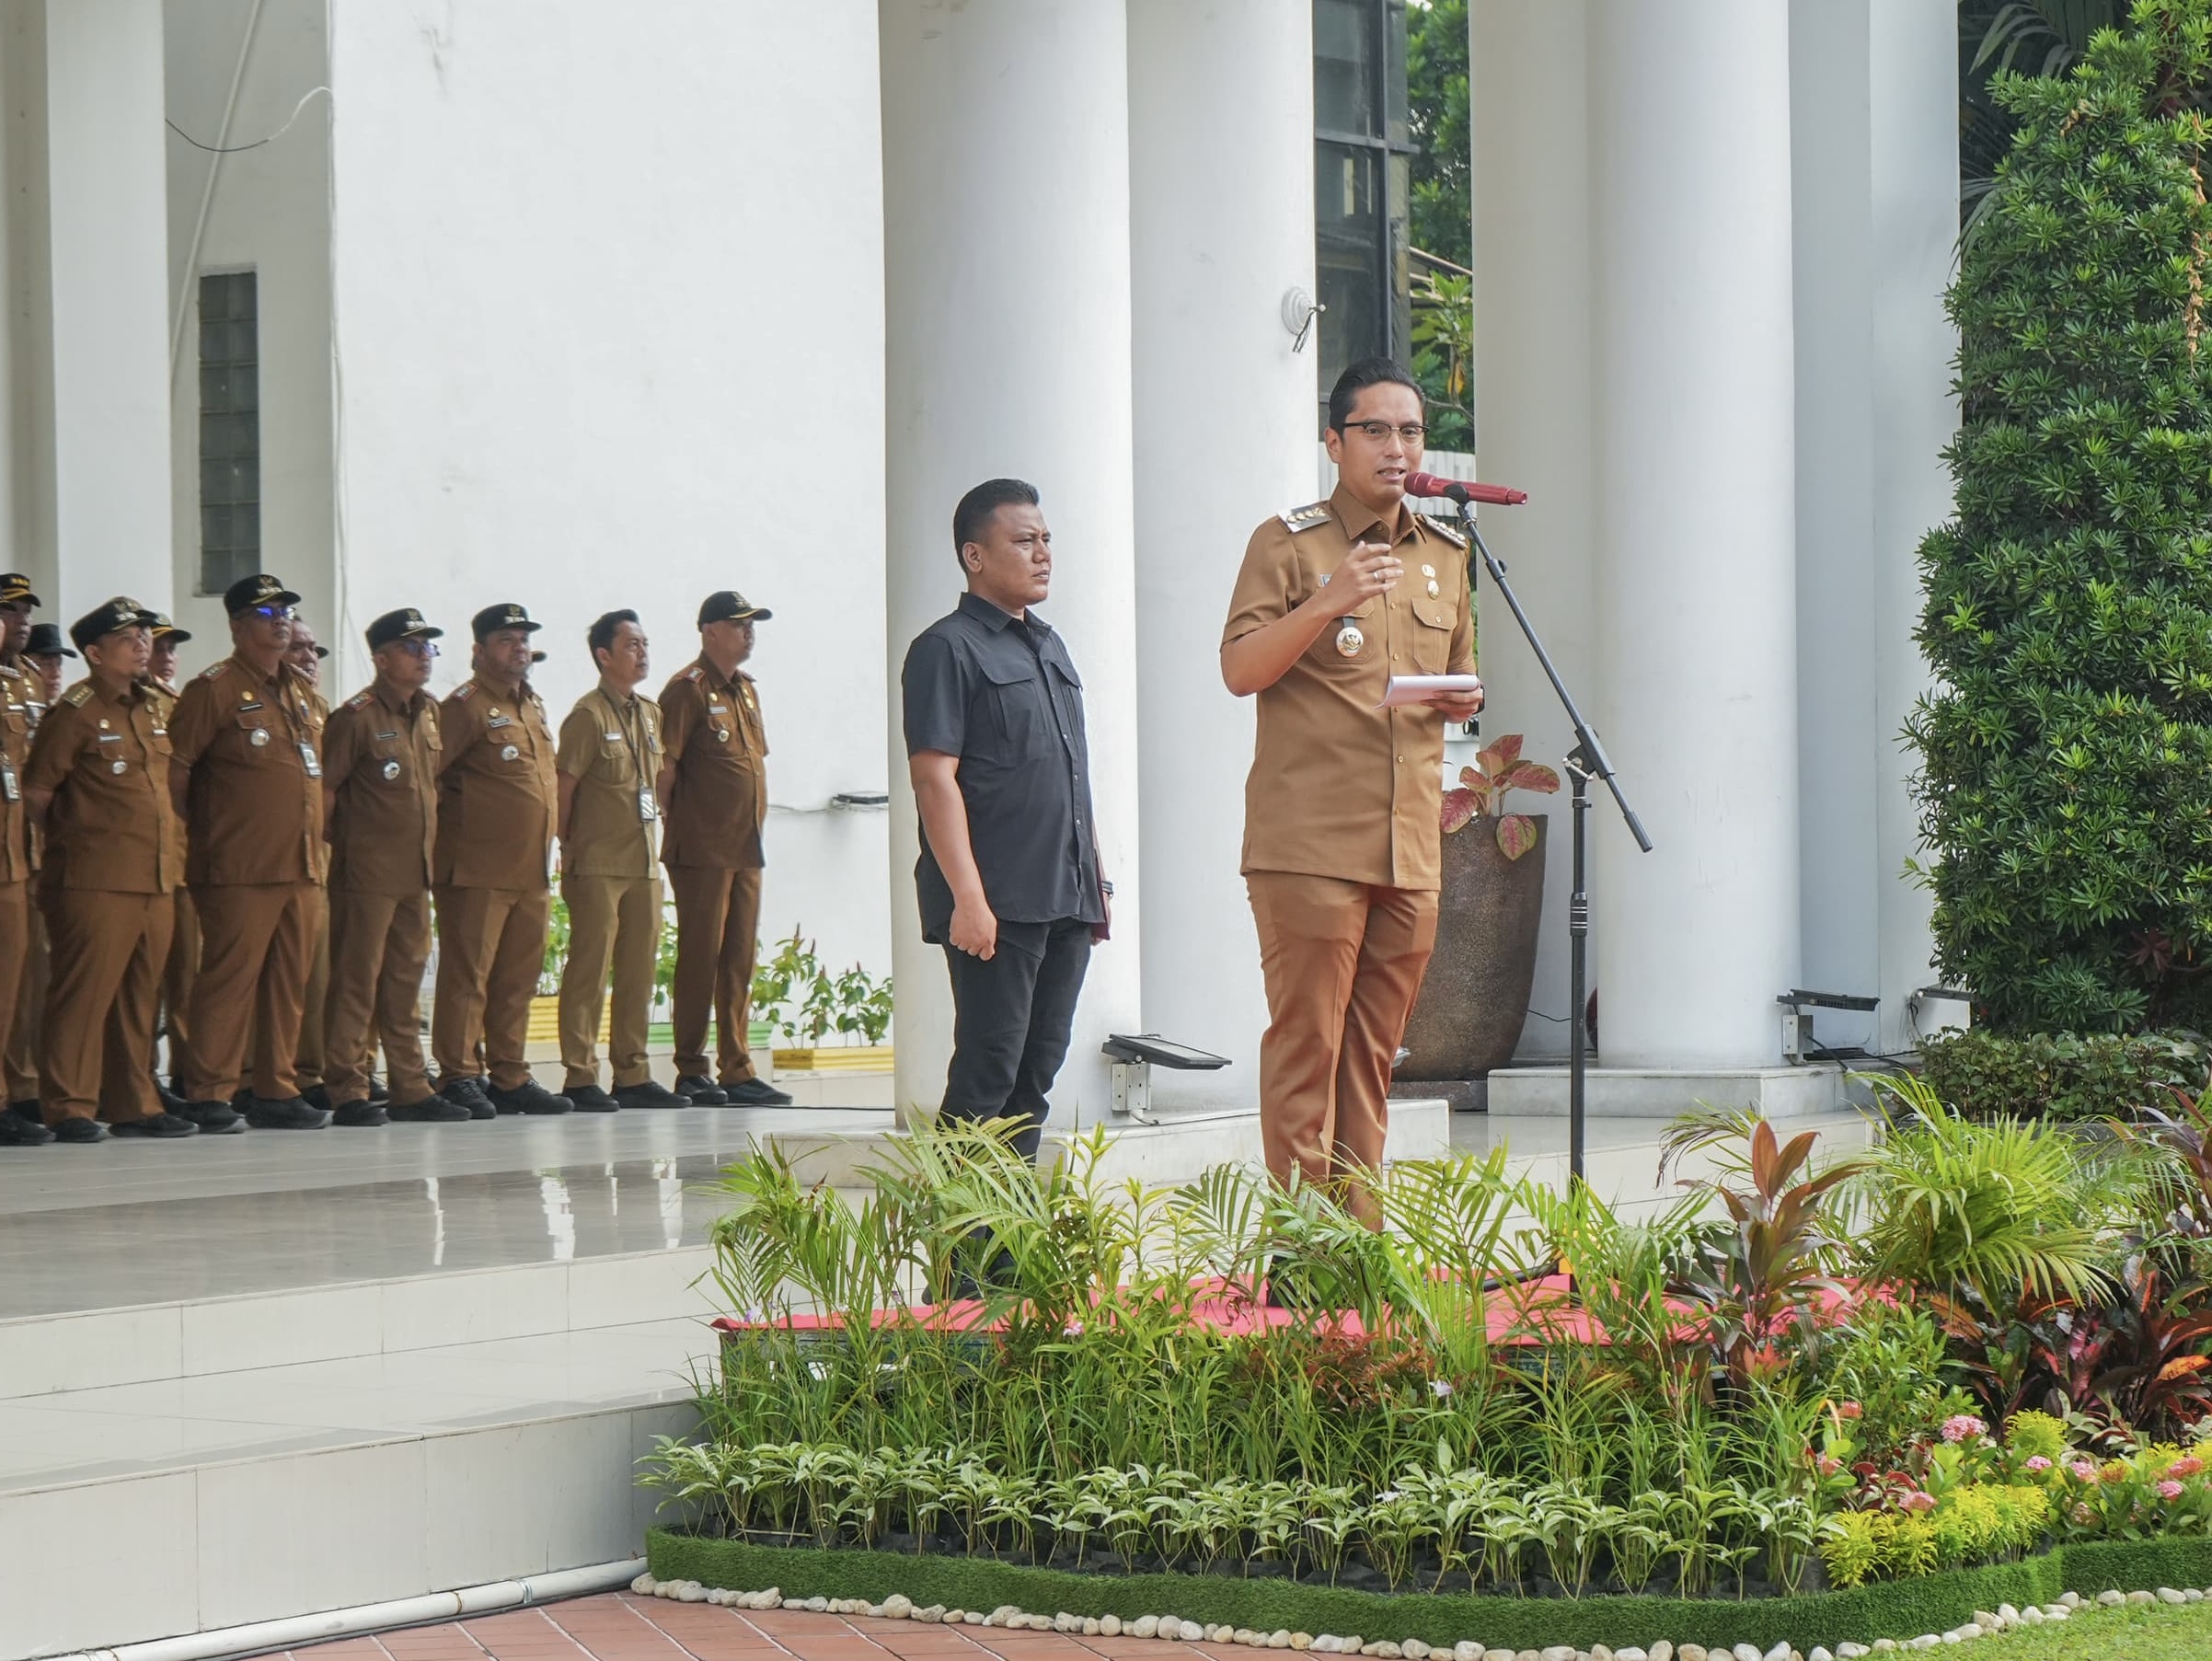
230 430
1363 148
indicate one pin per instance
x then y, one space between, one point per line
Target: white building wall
608 330
266 209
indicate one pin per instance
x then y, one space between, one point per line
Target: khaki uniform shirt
26 701
381 758
255 748
1338 787
497 798
15 758
107 761
719 798
610 745
163 696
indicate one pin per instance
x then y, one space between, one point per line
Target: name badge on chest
313 763
11 787
649 809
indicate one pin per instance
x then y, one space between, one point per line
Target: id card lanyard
649 808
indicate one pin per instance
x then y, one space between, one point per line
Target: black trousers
1010 1021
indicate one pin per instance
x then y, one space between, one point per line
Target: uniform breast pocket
257 742
1018 718
1433 620
158 742
1348 639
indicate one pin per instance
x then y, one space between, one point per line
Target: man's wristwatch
1106 888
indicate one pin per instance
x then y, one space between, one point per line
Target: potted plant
806 1003
1468 1017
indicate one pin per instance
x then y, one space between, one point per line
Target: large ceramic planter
1475 998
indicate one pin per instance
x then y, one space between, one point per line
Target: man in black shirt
1009 877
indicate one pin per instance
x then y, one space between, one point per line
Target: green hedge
1898 1608
2062 1076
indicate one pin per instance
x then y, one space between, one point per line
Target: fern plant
2066 754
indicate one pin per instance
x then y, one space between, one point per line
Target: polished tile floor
619 1627
122 1222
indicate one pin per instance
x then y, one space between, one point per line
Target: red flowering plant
1481 794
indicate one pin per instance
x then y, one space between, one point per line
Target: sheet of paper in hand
1419 688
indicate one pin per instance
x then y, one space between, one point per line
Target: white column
108 245
1530 112
1221 187
1914 224
1694 594
1006 186
1875 175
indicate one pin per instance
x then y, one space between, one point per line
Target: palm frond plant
2005 1207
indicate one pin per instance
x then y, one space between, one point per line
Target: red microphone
1428 484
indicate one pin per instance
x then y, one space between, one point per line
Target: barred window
230 430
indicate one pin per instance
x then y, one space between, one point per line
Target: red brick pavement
617 1626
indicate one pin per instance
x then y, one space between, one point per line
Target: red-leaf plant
1481 794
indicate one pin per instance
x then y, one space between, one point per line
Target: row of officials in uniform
243 865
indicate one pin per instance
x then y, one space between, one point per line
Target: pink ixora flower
2037 1463
1962 1427
2169 1489
2188 1465
1917 1503
2082 1514
2084 1471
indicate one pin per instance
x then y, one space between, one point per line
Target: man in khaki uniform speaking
1342 858
497 809
715 787
610 822
99 782
247 774
380 796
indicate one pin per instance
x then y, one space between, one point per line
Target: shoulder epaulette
361 701
9 674
74 697
1305 518
464 691
214 670
695 673
1444 528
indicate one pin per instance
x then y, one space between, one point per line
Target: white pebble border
1173 1627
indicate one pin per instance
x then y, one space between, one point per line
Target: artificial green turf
1897 1608
2139 1632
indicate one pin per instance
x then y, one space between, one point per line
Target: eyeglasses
1377 432
275 613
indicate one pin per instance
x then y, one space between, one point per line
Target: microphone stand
1585 761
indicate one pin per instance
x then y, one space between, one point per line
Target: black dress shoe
755 1093
316 1096
171 1102
651 1093
27 1109
701 1092
80 1130
358 1115
469 1094
378 1092
431 1110
589 1098
528 1097
163 1127
18 1132
293 1115
213 1118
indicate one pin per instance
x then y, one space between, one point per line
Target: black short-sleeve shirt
1001 693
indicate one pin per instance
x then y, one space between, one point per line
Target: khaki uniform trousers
108 953
257 940
309 1057
176 977
379 944
1342 963
22 1054
717 941
616 921
18 918
492 945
